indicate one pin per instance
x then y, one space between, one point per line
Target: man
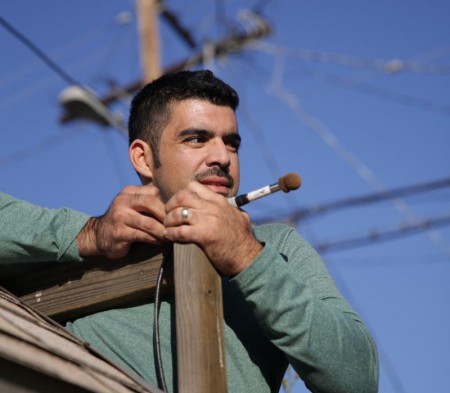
280 304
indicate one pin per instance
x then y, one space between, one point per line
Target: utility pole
148 11
232 44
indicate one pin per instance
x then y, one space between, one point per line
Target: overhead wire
114 48
407 229
391 371
44 83
39 53
60 53
392 66
386 67
395 67
350 202
401 230
315 125
27 69
368 89
61 72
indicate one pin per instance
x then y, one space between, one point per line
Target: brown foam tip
290 182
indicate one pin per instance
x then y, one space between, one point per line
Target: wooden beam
199 322
70 290
149 40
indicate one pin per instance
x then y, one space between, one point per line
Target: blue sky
320 96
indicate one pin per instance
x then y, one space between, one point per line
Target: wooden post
199 322
148 31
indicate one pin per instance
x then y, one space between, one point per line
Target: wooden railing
70 290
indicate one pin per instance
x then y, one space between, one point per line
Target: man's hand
135 215
222 231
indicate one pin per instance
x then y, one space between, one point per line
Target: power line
349 83
408 229
307 212
392 66
368 89
87 95
230 44
173 21
391 234
330 139
27 69
39 53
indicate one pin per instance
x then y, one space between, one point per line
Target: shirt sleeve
30 233
300 311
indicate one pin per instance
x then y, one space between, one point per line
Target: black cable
390 234
156 339
64 75
38 52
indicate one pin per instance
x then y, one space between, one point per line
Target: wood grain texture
71 290
199 322
38 355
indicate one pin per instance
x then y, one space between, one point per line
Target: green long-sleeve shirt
30 235
284 308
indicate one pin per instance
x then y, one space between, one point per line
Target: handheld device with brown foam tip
286 183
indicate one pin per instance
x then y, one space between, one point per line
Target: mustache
215 171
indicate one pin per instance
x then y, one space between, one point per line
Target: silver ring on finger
185 215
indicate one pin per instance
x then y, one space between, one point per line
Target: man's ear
141 158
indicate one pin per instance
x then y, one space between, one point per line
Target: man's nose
218 154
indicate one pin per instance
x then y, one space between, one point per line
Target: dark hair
150 108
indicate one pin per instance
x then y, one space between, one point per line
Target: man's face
200 142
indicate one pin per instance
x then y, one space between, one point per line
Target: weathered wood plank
199 322
38 355
71 290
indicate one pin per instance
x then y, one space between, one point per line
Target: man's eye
234 148
196 139
233 142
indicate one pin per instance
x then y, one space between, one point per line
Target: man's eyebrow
232 137
194 131
229 137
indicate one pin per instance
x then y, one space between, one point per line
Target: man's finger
146 224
